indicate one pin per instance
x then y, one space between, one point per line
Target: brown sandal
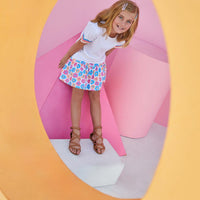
97 146
72 144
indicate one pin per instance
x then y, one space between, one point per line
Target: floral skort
83 75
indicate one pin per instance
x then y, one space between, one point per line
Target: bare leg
95 109
77 96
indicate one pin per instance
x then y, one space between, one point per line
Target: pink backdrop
148 39
137 87
54 99
62 25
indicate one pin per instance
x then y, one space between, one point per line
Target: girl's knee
94 95
77 93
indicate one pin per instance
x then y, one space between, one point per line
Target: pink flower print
75 75
78 83
67 80
101 73
88 81
70 78
92 76
65 72
96 78
75 64
81 68
79 78
96 83
99 78
83 80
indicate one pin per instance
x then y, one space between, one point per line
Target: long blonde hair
106 17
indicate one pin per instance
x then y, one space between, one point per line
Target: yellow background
30 169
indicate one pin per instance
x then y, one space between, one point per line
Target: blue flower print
63 76
82 86
88 86
73 80
65 67
80 73
92 82
78 66
73 69
97 88
96 73
90 72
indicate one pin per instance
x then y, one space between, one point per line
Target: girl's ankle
98 131
75 130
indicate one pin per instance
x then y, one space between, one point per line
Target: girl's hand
62 62
73 49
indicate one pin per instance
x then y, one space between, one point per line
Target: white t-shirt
97 44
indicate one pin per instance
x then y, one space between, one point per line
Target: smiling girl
84 67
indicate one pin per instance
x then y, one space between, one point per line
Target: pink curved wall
144 96
136 87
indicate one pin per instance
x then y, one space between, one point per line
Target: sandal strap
74 136
97 146
73 144
98 136
75 128
98 127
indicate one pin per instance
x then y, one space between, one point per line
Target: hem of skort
80 87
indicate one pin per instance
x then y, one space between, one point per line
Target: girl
84 68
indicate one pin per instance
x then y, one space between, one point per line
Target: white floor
138 169
95 170
140 164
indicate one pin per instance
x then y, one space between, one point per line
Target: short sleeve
90 32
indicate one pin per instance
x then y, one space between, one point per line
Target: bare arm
109 51
73 49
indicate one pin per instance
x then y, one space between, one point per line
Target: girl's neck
113 34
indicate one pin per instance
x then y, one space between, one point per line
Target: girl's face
122 22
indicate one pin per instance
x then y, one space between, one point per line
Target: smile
120 28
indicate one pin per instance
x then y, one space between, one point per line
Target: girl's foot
97 140
74 143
